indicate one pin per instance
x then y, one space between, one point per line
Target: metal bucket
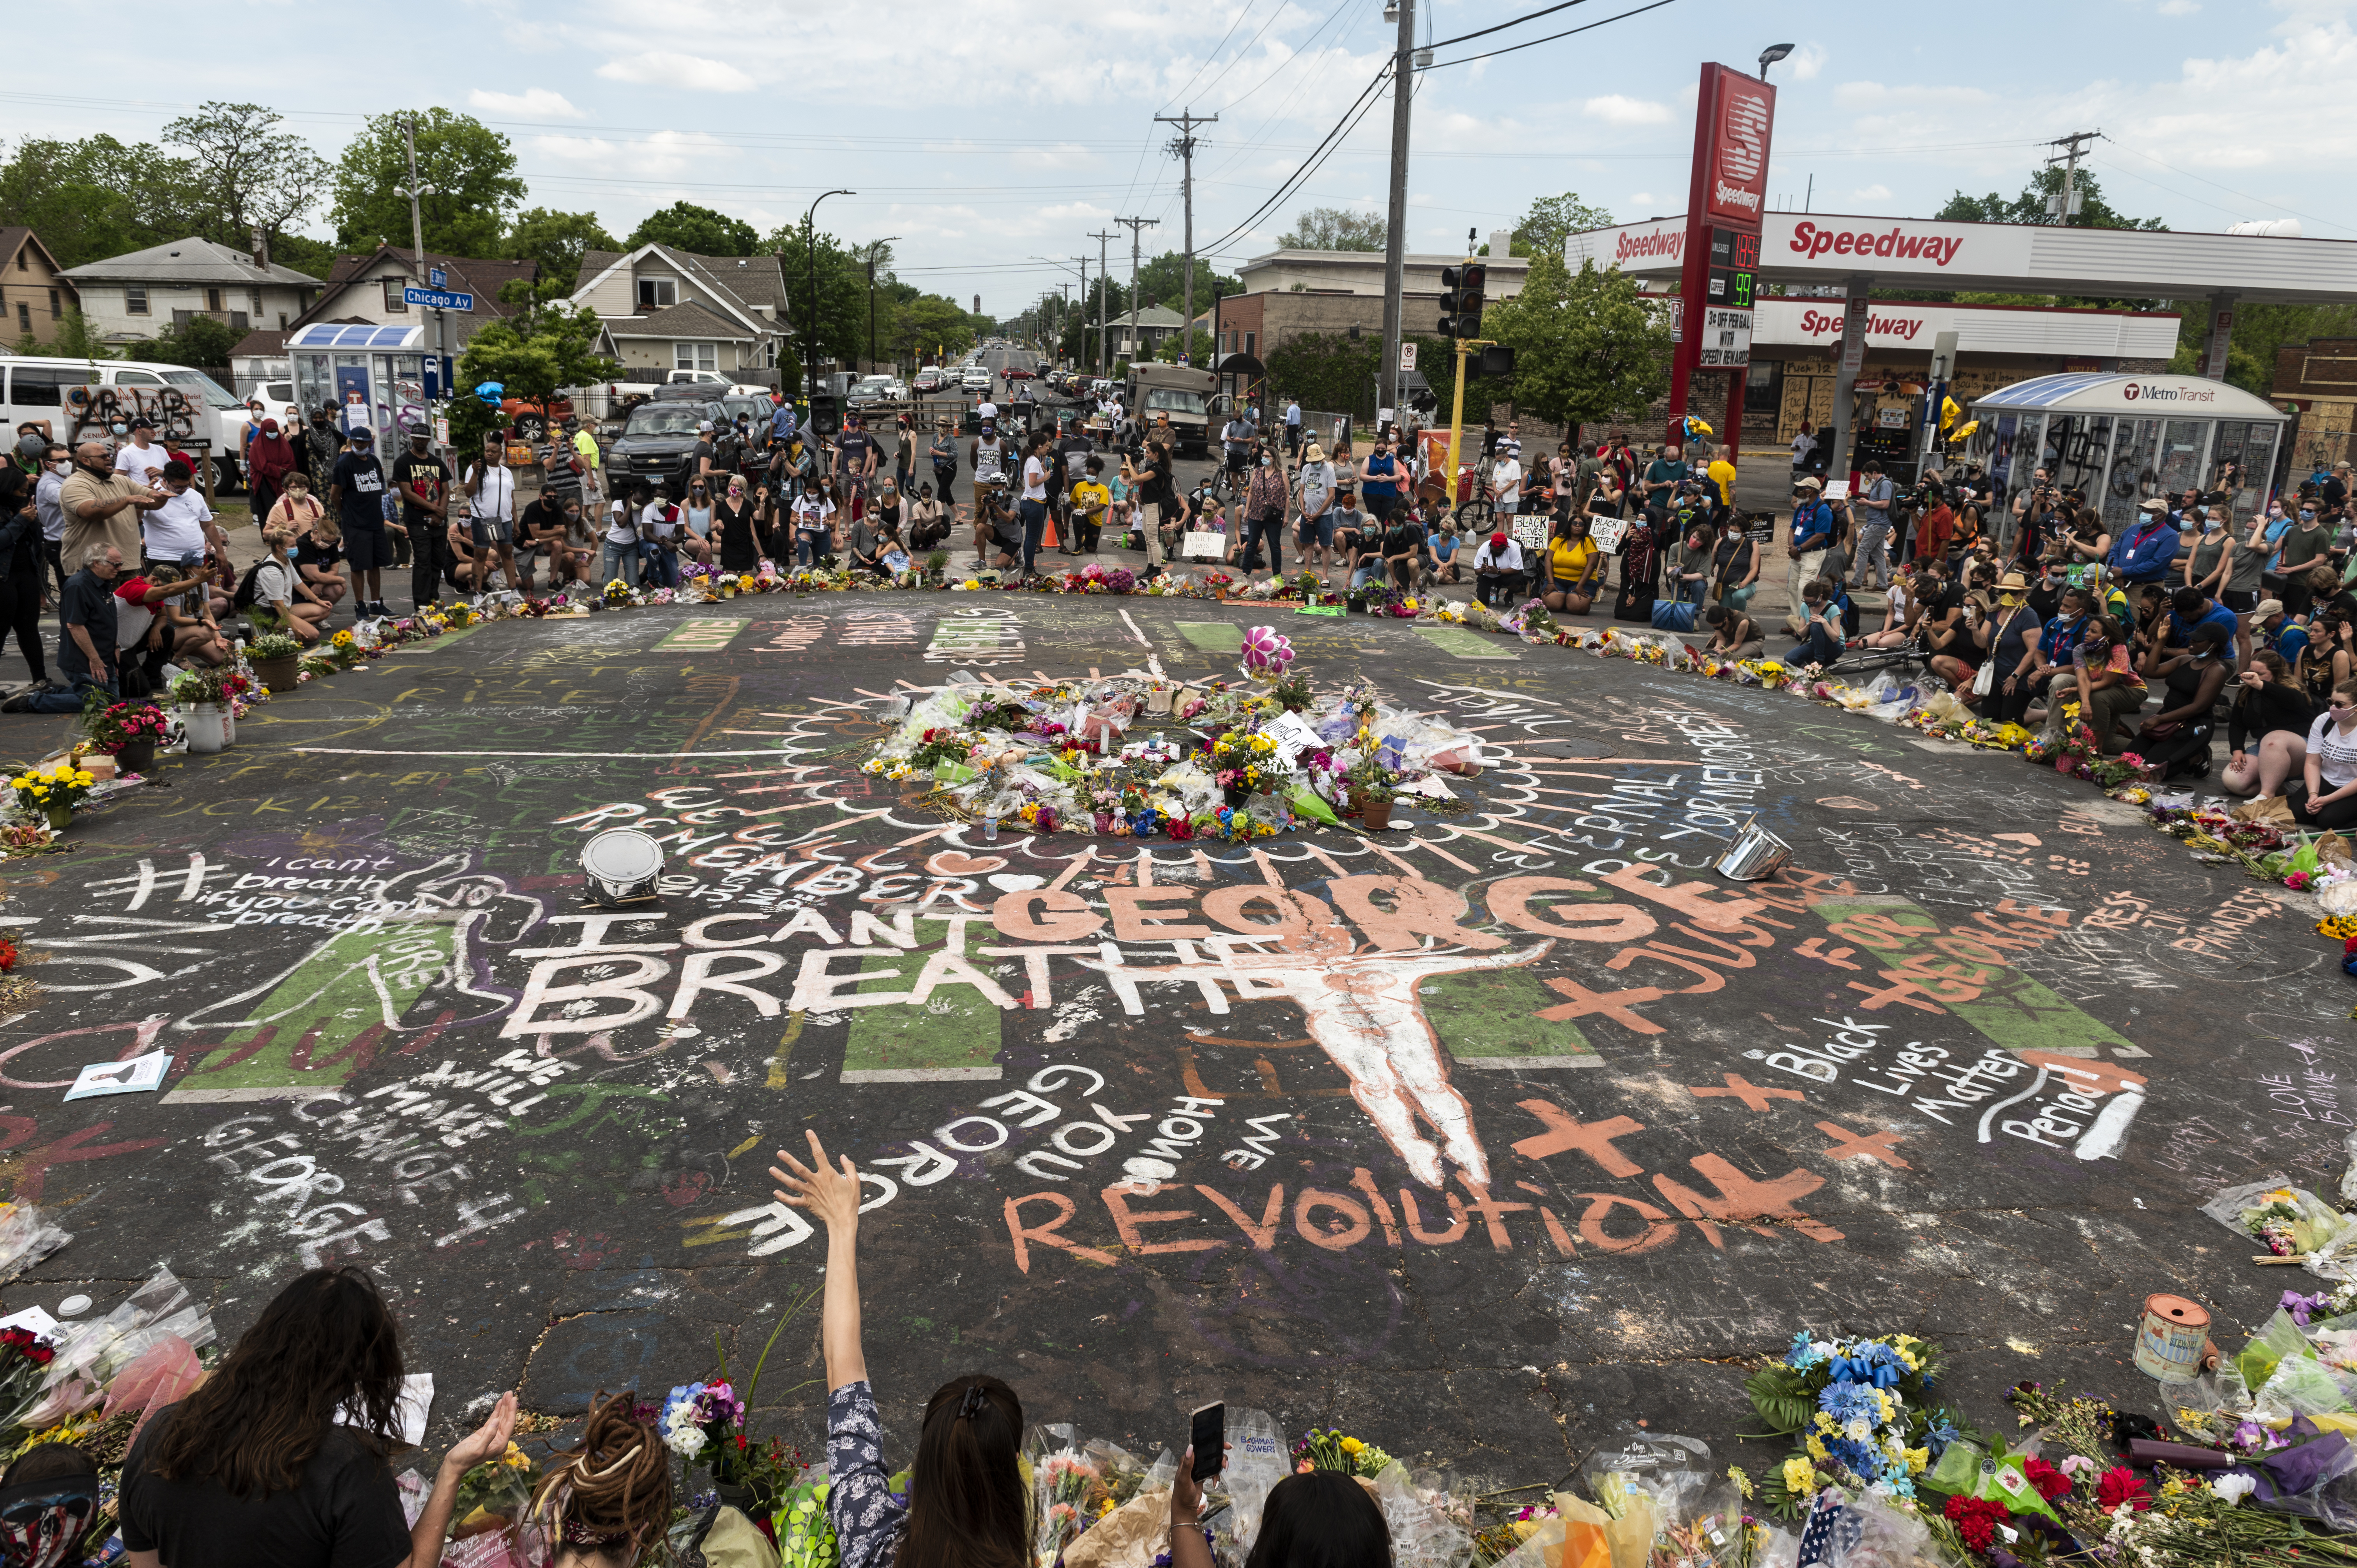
2173 1340
1755 853
623 865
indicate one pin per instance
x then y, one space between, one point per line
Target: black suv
657 445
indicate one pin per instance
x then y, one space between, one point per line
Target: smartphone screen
1209 1433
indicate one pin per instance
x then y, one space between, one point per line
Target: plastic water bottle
990 829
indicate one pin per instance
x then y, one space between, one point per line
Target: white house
149 292
669 309
369 288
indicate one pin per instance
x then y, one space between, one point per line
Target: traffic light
1461 300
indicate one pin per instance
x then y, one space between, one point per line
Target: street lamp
874 246
809 243
1771 55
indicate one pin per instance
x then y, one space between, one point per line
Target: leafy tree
250 174
2029 206
201 341
842 292
1335 229
471 170
1163 280
546 347
1585 346
929 324
1200 349
305 255
72 341
99 197
1550 219
1334 373
2259 331
556 240
695 229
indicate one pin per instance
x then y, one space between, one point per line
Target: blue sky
989 134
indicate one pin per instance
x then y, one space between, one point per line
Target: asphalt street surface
1553 1130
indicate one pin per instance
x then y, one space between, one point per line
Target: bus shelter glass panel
2081 443
2250 445
2182 442
2134 474
1999 460
313 386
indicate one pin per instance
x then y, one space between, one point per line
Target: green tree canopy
842 292
98 196
1586 347
2029 206
929 324
1335 229
695 229
201 341
247 172
557 239
1550 219
468 165
1163 281
532 354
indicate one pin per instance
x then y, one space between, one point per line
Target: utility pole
1183 144
1396 239
1103 364
1136 226
873 247
1080 358
2065 207
417 253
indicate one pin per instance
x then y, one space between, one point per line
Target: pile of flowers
58 786
1330 1448
1129 756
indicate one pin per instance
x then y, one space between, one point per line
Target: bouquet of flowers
697 1416
495 1493
2068 750
1330 1448
617 594
60 787
1858 1407
113 726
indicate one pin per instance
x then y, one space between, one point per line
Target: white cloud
1615 110
690 73
662 156
1871 193
2178 7
1876 94
1641 198
532 104
1805 64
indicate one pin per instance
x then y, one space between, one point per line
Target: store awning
1241 365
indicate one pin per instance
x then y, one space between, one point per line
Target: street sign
438 298
436 277
1407 356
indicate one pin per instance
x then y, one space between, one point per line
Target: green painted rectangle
953 1035
701 634
1483 1017
345 985
1214 636
1322 610
1459 643
2013 1011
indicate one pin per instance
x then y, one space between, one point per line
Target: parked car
183 404
658 442
867 390
929 379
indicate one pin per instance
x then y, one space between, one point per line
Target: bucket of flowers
130 731
52 792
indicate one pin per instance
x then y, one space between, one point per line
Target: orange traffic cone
1049 542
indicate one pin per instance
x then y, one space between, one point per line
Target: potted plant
52 792
128 731
276 658
1371 792
198 695
937 565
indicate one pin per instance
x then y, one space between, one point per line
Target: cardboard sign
1529 532
1203 545
1609 532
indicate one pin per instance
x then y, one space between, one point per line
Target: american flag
1830 1534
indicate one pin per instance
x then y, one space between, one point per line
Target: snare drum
623 865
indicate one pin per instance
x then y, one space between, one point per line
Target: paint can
1755 853
623 865
2174 1340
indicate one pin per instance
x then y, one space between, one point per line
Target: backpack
244 599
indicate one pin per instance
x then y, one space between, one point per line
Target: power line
1242 12
1551 37
1502 26
1332 139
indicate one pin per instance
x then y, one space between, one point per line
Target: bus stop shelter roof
1827 249
2152 397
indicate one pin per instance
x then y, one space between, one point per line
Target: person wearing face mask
102 506
57 467
2175 742
734 529
1265 502
2305 546
20 577
321 444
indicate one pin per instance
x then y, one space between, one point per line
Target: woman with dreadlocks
604 1504
967 1506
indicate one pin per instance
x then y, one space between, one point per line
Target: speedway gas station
1788 326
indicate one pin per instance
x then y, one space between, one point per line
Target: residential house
259 357
128 298
1153 324
368 288
667 309
34 298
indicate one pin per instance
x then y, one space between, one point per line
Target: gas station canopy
1824 249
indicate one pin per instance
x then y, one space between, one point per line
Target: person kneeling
1820 626
1733 634
1500 578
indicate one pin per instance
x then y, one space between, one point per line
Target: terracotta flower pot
1379 815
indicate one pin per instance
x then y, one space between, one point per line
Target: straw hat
1316 454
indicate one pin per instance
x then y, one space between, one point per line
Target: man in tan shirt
103 506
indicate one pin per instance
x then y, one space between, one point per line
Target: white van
70 400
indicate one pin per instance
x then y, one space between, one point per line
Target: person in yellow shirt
1722 474
1091 496
592 472
1575 566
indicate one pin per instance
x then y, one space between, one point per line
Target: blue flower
1900 1482
1804 1354
1846 1401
